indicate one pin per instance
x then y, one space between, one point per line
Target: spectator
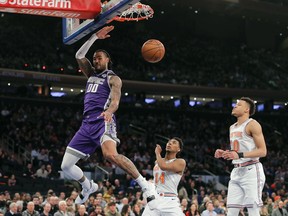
112 210
51 174
74 195
264 211
54 204
62 209
98 211
220 211
2 202
184 205
118 187
126 210
37 206
203 206
209 210
193 210
123 202
280 209
43 157
30 211
102 202
26 199
71 206
42 172
29 171
182 193
12 210
81 211
62 196
136 209
46 210
12 181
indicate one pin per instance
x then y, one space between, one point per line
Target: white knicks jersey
165 181
240 141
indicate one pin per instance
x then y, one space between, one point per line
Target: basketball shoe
84 195
150 195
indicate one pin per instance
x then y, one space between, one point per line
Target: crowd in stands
45 129
190 61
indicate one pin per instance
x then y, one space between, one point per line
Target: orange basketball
153 51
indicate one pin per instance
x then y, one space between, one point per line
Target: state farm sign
39 3
84 9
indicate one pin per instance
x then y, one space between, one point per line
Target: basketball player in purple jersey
247 146
98 129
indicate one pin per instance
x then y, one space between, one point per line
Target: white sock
142 182
86 184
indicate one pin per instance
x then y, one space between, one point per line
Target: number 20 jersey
240 141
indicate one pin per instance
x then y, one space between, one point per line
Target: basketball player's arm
116 85
177 166
219 152
254 129
84 64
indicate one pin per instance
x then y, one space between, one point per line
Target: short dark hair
181 145
251 105
110 63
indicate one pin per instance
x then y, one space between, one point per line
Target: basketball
153 51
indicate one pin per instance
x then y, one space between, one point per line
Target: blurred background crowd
44 130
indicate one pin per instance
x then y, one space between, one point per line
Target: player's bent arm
255 130
85 66
177 166
116 85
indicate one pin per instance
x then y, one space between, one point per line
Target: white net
136 12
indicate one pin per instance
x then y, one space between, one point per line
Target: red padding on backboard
80 9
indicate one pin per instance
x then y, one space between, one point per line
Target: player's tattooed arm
85 67
83 62
116 85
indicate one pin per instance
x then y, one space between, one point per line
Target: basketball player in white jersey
167 173
247 146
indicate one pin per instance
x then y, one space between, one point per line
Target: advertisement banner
84 9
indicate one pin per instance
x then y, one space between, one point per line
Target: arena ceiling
273 10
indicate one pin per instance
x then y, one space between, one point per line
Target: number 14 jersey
166 181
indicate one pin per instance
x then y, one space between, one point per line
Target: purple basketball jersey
93 128
97 94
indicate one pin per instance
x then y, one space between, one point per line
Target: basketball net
136 12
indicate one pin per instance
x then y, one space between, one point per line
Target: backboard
74 29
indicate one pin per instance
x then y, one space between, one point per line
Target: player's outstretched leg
69 168
110 153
